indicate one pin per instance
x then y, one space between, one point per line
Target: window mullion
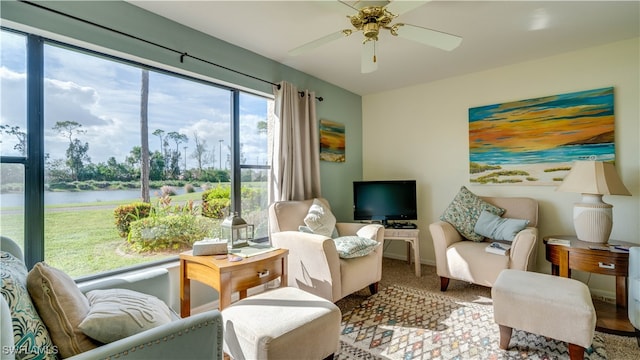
236 198
34 167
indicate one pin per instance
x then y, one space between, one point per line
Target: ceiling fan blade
369 63
319 42
429 37
401 7
341 7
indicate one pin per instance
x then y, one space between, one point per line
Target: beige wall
421 132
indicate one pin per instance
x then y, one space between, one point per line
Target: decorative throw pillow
119 313
32 340
368 231
498 228
464 211
320 219
354 246
62 307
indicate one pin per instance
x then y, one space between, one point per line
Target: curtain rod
181 53
319 98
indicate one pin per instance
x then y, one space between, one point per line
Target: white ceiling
495 33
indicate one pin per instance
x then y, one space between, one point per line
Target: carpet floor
398 277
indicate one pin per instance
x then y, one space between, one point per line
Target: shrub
171 232
62 186
85 186
167 190
126 214
216 202
188 188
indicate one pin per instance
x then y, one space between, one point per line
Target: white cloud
104 96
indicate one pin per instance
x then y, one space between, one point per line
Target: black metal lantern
236 231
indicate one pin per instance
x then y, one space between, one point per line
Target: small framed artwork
332 141
535 141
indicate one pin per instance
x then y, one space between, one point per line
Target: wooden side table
413 241
228 277
611 318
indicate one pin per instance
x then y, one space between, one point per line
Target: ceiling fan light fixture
370 31
372 19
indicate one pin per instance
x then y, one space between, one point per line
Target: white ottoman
284 323
552 306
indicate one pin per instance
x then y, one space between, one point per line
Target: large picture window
13 133
96 215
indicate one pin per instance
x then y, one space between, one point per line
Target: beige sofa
313 261
461 259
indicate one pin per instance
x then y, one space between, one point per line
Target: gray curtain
295 163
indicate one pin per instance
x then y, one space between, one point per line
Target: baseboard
404 258
606 296
598 294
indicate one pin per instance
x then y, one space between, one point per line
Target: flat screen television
385 200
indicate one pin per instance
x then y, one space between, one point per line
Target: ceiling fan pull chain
375 59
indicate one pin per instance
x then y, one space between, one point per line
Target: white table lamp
593 218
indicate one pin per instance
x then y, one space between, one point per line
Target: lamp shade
593 218
593 177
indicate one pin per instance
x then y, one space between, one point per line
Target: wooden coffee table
227 276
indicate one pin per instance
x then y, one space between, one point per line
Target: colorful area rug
407 323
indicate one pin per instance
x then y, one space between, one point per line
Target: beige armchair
457 258
313 261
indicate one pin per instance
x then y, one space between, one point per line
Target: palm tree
144 136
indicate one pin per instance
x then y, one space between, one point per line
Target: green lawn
82 239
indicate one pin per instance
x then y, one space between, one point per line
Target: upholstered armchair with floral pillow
45 315
470 224
326 258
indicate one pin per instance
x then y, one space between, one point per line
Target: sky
104 96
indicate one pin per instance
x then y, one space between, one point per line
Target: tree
262 127
144 137
156 171
163 147
135 157
200 153
20 135
68 129
175 155
76 152
177 138
76 157
159 133
56 171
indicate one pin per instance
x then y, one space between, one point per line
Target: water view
72 197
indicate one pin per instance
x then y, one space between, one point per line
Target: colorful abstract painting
535 141
332 141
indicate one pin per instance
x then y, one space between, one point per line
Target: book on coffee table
252 250
562 242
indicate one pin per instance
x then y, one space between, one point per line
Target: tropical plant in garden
170 227
216 202
126 214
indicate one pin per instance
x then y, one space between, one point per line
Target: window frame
34 161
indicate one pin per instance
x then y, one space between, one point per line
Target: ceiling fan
373 16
